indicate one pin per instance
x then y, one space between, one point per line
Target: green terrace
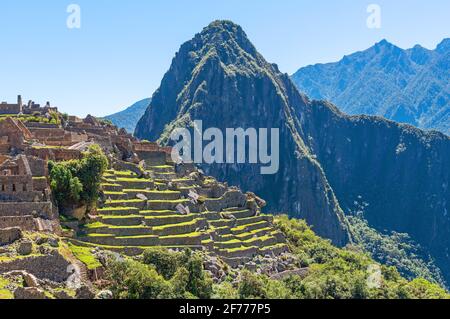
129 224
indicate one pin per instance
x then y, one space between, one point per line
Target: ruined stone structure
13 135
30 108
24 197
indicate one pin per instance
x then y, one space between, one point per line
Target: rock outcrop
328 160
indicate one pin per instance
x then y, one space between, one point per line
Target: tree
77 182
165 262
65 187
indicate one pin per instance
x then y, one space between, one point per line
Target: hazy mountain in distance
408 86
129 117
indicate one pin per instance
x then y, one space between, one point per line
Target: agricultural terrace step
132 220
138 203
111 187
130 183
154 194
223 223
129 250
249 227
165 176
240 213
99 228
115 173
111 240
113 195
158 212
257 242
167 220
165 205
184 239
251 220
257 233
181 228
211 216
162 169
118 211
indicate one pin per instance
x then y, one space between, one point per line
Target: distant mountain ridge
129 117
408 86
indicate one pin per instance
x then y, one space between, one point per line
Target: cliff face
328 161
408 86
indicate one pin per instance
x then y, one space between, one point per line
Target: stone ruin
147 199
30 108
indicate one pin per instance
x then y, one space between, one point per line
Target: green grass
99 235
125 201
158 212
132 180
110 185
253 232
120 217
85 256
138 237
5 293
242 227
147 191
173 225
95 225
175 201
114 193
128 227
242 248
105 209
168 216
190 235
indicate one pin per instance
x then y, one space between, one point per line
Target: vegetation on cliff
396 249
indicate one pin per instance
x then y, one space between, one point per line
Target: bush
134 280
165 262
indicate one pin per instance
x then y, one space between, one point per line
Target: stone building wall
55 154
6 108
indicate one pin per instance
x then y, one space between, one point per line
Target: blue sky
123 48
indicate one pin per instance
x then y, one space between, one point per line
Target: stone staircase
142 212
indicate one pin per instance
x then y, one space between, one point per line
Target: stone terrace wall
53 267
43 209
25 223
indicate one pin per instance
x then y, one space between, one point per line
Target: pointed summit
444 46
